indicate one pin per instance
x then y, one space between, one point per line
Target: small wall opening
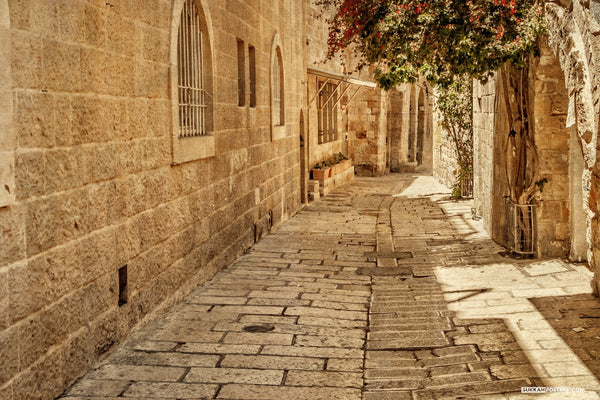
123 285
241 58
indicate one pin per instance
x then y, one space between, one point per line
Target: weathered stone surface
276 362
138 373
254 392
170 390
235 375
92 387
324 378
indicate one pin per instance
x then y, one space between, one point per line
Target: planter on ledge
321 174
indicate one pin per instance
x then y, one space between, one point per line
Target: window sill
278 132
193 148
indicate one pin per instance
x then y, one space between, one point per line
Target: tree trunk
521 155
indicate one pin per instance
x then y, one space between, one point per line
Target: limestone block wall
549 114
95 189
484 97
367 131
7 136
564 93
425 142
445 161
573 37
316 57
399 120
551 138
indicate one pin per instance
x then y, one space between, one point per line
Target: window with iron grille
252 74
241 73
327 112
190 69
277 87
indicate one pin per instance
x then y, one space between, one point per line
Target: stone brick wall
316 56
573 37
7 136
549 114
445 161
399 120
95 188
551 138
367 131
484 97
563 86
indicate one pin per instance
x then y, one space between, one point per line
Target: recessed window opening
241 57
327 115
122 285
252 74
190 68
278 110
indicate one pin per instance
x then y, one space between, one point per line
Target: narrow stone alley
385 289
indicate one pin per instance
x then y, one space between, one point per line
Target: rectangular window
252 73
327 114
190 68
241 56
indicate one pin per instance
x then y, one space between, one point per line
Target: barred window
327 114
252 73
277 88
241 73
191 91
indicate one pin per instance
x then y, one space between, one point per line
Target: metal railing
519 227
466 187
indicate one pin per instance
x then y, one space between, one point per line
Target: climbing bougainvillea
436 39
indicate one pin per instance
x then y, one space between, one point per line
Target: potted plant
321 171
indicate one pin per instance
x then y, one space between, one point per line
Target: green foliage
456 191
435 39
331 161
540 184
455 103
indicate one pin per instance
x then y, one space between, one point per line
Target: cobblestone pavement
382 290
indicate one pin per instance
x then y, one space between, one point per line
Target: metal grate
252 73
327 112
241 72
192 104
519 229
466 186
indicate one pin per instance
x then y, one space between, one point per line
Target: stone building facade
564 102
143 147
411 133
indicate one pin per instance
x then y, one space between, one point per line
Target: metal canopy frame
341 78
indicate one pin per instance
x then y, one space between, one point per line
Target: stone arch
560 214
570 39
200 146
277 130
8 140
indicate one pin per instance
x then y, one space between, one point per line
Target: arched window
191 81
277 75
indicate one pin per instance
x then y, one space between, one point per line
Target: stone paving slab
383 290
